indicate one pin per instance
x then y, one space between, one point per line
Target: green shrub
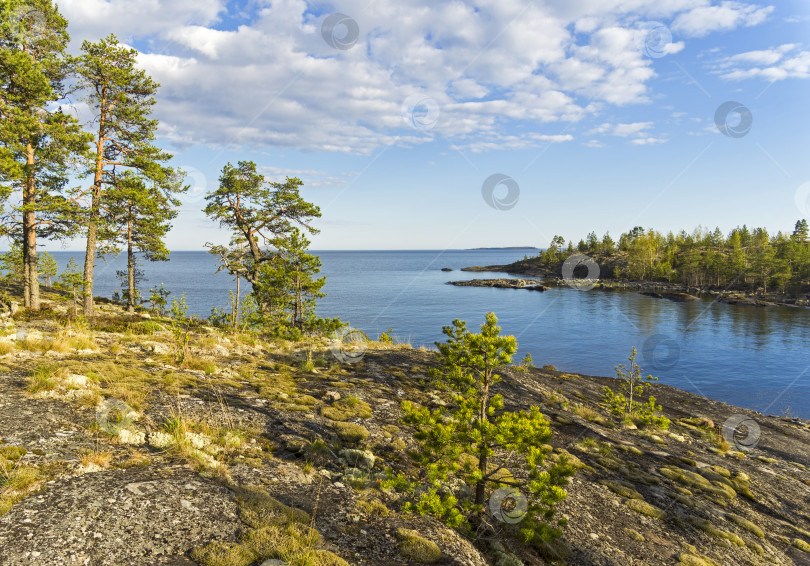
627 403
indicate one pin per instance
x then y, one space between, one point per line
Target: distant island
505 248
747 267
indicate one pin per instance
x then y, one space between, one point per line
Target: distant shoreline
507 248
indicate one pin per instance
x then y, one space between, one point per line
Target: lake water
747 356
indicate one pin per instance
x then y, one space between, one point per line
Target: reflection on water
747 356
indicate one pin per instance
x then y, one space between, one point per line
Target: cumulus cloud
783 62
267 77
707 18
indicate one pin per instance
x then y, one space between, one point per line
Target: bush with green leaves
627 402
473 447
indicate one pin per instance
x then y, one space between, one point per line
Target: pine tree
11 263
800 231
476 442
261 215
48 268
121 96
72 280
289 284
37 139
138 216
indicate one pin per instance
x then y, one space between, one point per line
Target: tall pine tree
138 216
37 140
121 96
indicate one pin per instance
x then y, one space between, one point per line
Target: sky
417 124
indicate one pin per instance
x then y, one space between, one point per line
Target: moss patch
800 544
707 527
257 509
346 409
223 554
645 508
745 524
351 432
417 548
622 489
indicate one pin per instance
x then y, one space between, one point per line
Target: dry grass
100 458
42 378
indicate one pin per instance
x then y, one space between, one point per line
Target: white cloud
270 79
707 18
622 130
762 57
775 64
647 141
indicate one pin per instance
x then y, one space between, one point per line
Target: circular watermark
508 505
661 352
348 344
496 200
580 283
340 31
802 198
420 111
742 431
24 21
114 415
197 184
653 39
733 119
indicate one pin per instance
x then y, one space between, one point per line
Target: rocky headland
251 451
530 284
657 289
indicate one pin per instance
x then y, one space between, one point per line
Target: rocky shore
530 284
114 452
657 289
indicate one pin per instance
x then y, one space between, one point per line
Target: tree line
746 259
131 193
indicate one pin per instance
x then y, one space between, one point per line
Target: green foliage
478 446
287 287
120 96
627 402
72 279
48 268
180 329
11 263
526 363
38 141
241 314
158 298
267 247
138 215
387 337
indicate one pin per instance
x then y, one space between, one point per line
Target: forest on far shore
746 259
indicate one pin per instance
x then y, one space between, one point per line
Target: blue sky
601 111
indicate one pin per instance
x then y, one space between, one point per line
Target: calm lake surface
751 357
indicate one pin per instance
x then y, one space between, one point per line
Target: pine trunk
480 485
236 306
30 274
130 268
92 221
